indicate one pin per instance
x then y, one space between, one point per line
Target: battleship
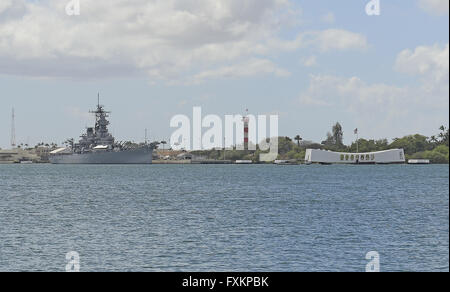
98 146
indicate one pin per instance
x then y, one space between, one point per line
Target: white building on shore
394 156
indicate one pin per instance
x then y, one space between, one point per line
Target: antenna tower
13 130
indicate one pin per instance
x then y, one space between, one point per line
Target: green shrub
442 149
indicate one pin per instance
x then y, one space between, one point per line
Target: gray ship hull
138 156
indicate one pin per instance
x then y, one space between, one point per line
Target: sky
314 63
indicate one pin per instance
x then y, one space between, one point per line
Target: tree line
434 148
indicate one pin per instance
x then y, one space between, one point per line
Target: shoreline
188 162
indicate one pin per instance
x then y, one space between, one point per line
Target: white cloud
249 68
309 61
439 7
329 18
352 93
164 40
431 64
384 111
159 38
5 4
325 40
338 39
425 60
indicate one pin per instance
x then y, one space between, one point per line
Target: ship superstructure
99 135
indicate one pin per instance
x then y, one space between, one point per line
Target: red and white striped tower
246 122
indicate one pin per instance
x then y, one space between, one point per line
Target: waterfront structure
98 146
381 157
285 162
18 155
244 162
8 156
419 161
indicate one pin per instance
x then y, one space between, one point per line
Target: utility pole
13 130
224 149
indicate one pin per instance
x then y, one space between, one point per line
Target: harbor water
224 217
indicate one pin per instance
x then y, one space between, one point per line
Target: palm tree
433 139
298 139
444 135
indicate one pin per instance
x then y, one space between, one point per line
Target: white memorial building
394 156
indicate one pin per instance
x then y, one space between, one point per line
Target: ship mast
101 123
